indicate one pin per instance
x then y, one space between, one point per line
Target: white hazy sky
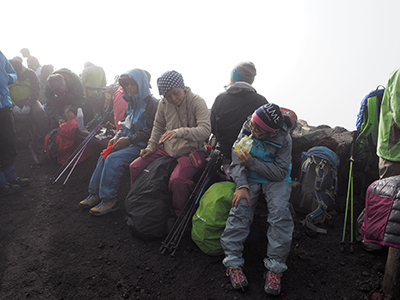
317 57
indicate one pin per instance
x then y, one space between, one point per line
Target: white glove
16 110
26 109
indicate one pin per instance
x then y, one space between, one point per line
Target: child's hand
239 195
244 156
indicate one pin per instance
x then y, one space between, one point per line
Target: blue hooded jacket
7 76
139 114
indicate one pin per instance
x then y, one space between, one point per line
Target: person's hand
239 195
16 110
26 109
121 143
60 121
244 156
169 135
113 140
144 153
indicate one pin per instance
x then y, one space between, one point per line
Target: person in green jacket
388 148
64 95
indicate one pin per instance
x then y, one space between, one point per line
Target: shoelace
236 274
275 278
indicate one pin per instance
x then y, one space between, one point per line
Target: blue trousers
7 175
107 175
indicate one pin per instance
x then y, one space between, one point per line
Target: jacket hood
143 83
239 86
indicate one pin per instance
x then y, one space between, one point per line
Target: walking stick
349 198
175 235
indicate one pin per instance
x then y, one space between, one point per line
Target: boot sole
104 213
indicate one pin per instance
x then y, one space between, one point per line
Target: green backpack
209 221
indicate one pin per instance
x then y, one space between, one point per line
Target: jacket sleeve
159 126
144 135
277 169
51 100
238 171
203 129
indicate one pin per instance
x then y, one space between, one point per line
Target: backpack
290 118
149 203
209 221
367 127
318 180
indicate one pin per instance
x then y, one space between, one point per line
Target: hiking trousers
8 138
107 175
180 182
280 229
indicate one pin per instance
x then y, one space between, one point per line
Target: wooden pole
391 280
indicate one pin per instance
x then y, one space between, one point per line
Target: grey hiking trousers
279 233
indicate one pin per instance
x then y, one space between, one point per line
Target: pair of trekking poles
349 200
76 155
177 231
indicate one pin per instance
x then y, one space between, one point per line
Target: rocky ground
52 249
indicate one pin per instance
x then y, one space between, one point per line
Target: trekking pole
83 144
194 199
76 162
181 223
349 198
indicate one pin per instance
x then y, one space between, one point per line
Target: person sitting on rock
265 168
181 126
125 146
231 108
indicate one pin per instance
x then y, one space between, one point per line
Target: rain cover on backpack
148 203
318 179
210 218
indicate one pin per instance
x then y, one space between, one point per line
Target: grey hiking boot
238 279
272 283
89 201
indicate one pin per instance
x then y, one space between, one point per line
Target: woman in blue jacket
125 146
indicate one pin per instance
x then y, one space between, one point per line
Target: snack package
244 144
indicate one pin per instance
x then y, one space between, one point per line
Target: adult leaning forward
181 127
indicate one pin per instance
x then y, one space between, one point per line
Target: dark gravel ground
52 249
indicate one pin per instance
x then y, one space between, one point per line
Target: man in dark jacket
64 94
232 107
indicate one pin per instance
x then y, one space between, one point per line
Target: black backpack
148 203
318 179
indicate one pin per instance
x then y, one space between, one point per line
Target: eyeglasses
125 81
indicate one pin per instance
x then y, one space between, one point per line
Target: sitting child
265 168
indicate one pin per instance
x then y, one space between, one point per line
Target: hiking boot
9 189
238 279
272 283
105 207
22 182
89 201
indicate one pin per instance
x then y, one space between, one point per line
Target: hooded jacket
271 159
193 113
7 76
73 97
388 146
229 112
139 115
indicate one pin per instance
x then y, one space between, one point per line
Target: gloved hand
16 110
26 109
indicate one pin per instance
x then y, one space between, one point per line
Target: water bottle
81 124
